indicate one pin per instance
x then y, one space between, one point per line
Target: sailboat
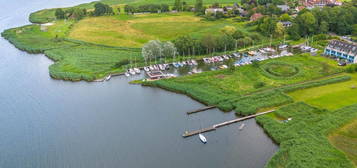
202 138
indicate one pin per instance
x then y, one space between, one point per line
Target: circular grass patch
280 69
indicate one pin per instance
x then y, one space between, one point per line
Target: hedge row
315 83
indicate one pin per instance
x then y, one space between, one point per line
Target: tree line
152 8
100 9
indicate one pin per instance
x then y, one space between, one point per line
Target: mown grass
303 140
345 139
134 31
330 97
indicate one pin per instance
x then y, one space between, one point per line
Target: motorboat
146 69
132 71
202 138
194 62
151 68
108 77
137 70
127 74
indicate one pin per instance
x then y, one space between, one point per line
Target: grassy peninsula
317 96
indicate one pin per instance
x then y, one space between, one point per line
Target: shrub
259 85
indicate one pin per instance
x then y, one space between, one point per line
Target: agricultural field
135 31
330 97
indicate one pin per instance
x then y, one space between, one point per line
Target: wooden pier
214 127
201 109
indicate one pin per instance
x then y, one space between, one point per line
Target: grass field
134 31
330 97
345 139
225 88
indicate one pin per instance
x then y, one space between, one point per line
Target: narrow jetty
201 109
214 127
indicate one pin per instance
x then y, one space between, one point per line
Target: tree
307 23
78 13
215 5
101 9
209 42
152 50
280 29
199 6
59 14
267 26
229 30
323 27
168 49
285 17
354 30
238 34
178 5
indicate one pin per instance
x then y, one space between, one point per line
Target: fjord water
46 123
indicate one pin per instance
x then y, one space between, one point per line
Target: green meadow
330 97
136 30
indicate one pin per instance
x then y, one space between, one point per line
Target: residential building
310 4
214 10
284 8
286 24
341 49
256 16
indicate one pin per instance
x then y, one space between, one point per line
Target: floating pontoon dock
214 127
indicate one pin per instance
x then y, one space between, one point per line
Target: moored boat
202 138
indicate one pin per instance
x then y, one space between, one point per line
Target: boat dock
201 109
214 127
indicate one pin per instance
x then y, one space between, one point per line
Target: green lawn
330 97
345 139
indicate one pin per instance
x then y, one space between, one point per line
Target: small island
297 58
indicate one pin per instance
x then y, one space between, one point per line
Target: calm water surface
49 123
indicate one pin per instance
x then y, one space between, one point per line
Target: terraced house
342 50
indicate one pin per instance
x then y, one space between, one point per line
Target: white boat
127 74
131 71
194 62
241 127
202 138
108 77
146 69
137 70
151 67
176 65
